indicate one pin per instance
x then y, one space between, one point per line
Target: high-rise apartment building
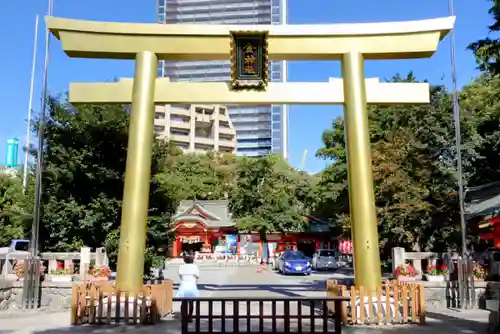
196 128
260 130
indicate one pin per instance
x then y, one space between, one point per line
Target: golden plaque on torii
249 60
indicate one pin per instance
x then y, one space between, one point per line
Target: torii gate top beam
386 40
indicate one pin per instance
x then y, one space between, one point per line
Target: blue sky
17 21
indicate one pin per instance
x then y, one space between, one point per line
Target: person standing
189 274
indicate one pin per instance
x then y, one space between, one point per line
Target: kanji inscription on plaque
249 60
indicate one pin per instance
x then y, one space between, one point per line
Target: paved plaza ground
246 282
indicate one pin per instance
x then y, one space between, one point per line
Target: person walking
189 274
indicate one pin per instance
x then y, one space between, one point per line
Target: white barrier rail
219 260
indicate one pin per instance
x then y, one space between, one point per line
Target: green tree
84 164
83 178
265 198
198 176
15 209
413 164
481 109
487 50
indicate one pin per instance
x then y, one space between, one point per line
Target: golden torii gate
349 43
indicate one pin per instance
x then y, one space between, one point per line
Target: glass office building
260 130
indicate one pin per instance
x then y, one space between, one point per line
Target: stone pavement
246 282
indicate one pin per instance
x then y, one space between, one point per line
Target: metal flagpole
458 135
41 138
31 286
30 108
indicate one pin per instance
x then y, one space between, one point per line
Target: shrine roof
482 200
317 225
214 214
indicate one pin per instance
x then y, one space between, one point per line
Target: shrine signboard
191 240
249 60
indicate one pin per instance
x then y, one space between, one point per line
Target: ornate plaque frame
249 60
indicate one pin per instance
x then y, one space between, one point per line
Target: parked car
293 262
16 246
325 259
344 260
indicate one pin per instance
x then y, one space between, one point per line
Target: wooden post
421 301
74 303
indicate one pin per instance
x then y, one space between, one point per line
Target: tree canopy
84 166
412 150
487 50
266 196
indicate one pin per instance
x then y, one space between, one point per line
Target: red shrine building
491 230
203 226
200 225
482 208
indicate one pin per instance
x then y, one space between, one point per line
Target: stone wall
438 294
54 296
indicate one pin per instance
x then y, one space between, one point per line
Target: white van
325 259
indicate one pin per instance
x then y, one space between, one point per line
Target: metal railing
260 315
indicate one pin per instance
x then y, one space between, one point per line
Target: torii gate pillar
138 173
350 43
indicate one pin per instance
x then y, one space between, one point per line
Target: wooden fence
391 303
102 303
258 315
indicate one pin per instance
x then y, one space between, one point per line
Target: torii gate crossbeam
349 43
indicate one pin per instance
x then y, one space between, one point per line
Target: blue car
293 262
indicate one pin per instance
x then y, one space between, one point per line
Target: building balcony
180 138
159 124
227 131
204 141
179 111
224 117
227 143
180 125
